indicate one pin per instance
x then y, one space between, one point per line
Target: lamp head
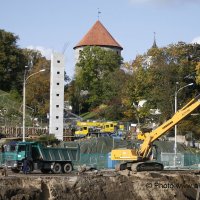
42 70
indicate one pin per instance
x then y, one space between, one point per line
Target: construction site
103 166
100 126
98 185
97 159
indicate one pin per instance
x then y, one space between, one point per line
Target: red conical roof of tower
98 36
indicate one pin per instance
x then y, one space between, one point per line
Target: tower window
58 83
58 61
58 72
57 95
57 106
57 117
56 128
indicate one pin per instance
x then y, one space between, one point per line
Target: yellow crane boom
161 130
143 153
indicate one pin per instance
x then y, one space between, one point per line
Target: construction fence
96 161
169 160
95 152
180 160
17 131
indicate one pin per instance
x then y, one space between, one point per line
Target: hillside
11 110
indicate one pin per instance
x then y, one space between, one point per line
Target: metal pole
175 127
24 106
24 101
175 130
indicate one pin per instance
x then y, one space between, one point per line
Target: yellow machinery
82 131
84 128
110 127
139 159
89 123
141 136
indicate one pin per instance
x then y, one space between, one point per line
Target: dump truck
46 159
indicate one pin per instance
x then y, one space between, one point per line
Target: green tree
72 94
169 72
12 62
95 64
154 78
113 86
38 88
135 89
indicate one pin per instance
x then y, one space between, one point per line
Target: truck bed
60 154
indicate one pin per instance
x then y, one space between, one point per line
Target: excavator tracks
147 166
141 166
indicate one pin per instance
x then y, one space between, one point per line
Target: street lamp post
175 127
24 100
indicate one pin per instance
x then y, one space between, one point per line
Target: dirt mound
102 185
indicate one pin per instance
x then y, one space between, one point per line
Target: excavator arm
161 130
136 159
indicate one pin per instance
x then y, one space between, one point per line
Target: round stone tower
98 36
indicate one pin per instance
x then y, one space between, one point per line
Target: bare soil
101 185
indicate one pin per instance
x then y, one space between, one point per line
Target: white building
56 95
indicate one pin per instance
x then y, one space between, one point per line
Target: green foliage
93 69
135 89
12 68
112 93
190 125
198 73
156 74
38 88
89 115
12 62
47 140
152 76
12 117
100 85
96 63
10 108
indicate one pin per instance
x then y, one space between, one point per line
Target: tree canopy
40 84
93 69
115 91
156 76
106 85
12 62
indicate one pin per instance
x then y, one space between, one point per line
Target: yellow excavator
139 159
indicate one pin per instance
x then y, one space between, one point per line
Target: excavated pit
99 185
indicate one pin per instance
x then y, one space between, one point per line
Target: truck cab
15 153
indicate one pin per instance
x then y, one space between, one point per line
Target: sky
58 25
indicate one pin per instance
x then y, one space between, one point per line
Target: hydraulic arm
130 156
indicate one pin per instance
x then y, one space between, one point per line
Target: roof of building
154 42
98 36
